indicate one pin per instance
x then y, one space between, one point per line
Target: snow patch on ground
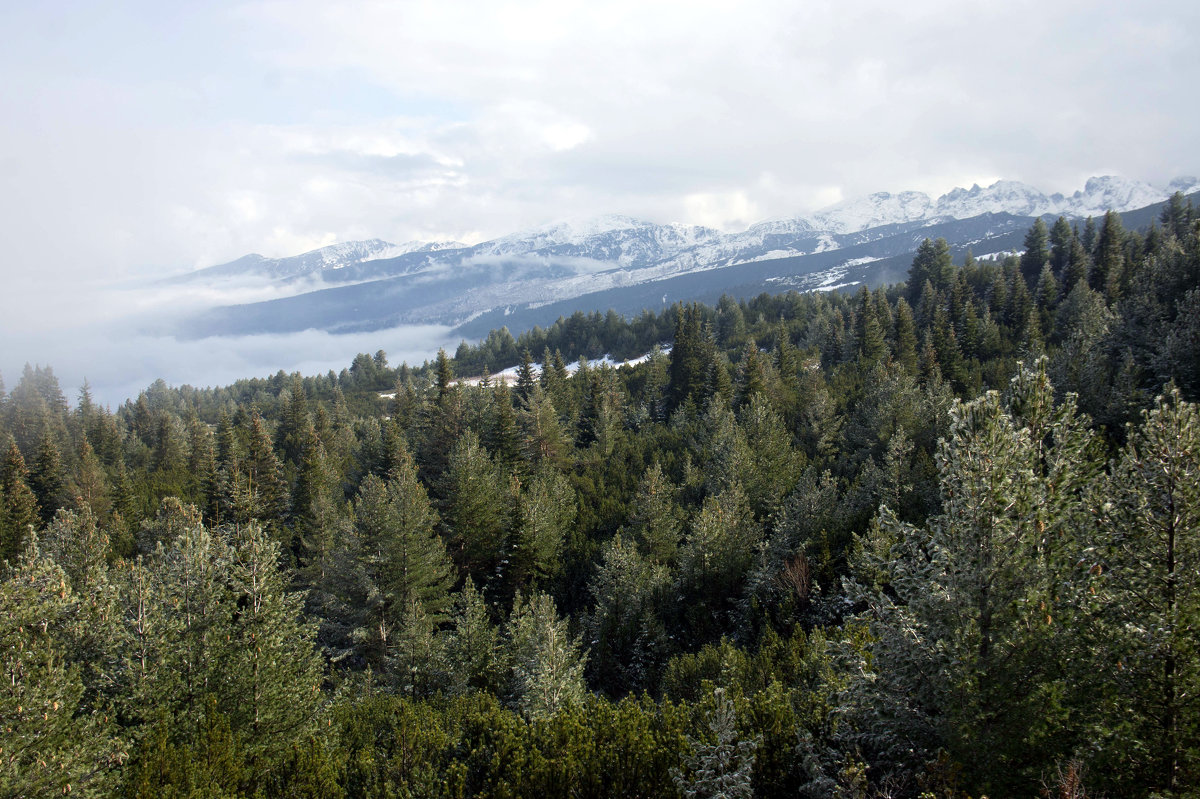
510 375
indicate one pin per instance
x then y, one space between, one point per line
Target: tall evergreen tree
19 516
972 596
547 663
1037 252
931 263
655 521
692 355
53 743
478 511
47 477
1147 574
1109 277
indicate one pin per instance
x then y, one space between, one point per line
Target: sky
142 139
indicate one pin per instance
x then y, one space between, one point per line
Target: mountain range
628 264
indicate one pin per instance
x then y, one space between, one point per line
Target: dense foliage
938 539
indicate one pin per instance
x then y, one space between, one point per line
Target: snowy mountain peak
619 242
336 256
396 250
1003 195
874 210
1110 192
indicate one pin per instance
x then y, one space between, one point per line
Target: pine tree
547 665
724 768
655 393
1110 275
218 639
752 376
545 512
272 672
963 611
1175 217
931 263
47 478
316 509
773 465
1147 575
405 561
1037 252
472 645
1079 266
906 336
19 516
543 439
501 436
655 518
714 560
478 511
692 355
629 641
90 484
525 377
1062 236
294 425
266 493
53 744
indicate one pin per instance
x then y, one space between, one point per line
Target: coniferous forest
940 539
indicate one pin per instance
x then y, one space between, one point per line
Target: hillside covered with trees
937 539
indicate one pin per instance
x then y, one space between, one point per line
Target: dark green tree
19 516
1037 252
1146 570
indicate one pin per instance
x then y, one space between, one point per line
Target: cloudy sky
147 138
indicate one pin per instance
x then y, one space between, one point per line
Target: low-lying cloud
117 351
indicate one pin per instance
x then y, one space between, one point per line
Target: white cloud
148 139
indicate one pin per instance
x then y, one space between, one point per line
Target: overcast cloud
141 139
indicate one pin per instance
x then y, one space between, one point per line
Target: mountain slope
374 285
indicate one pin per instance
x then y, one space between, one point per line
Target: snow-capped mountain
330 258
633 263
1004 196
615 240
623 242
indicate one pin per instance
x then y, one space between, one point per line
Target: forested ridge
937 539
